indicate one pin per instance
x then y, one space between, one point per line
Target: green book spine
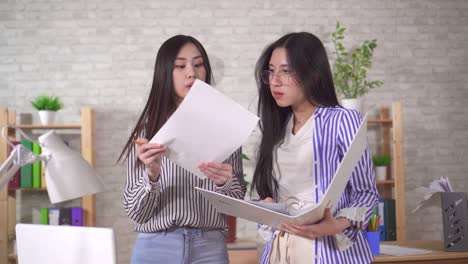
36 167
45 216
26 170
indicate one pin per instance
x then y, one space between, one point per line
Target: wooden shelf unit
391 135
8 197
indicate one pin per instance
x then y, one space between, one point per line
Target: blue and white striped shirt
333 133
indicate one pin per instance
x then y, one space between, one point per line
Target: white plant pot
352 103
47 117
381 173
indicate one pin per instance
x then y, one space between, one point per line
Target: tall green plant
350 69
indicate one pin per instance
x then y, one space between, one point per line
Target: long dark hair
308 60
162 100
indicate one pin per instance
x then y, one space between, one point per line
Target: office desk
242 252
437 256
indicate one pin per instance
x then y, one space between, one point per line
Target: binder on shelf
54 216
77 216
45 216
36 167
14 182
26 170
43 180
390 219
381 226
65 217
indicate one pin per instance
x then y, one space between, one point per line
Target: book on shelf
36 167
26 180
390 219
77 216
381 214
14 182
65 217
54 216
387 224
45 216
62 216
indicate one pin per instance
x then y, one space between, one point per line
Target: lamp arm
10 171
20 156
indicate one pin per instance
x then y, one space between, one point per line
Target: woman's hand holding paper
218 172
150 154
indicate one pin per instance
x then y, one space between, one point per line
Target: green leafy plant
381 160
51 103
350 69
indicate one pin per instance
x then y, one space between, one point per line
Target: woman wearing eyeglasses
305 133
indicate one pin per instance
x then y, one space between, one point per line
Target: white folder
273 214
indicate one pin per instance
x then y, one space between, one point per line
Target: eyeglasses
283 75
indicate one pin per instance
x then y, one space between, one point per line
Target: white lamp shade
68 175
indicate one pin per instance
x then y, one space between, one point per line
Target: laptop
51 244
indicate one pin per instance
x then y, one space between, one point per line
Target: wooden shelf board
380 121
383 182
63 126
29 189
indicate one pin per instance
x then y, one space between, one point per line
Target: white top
294 172
294 169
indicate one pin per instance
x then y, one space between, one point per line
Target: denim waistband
189 231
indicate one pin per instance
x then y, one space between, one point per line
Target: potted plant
381 162
350 69
47 107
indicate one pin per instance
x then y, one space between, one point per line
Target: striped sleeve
364 195
235 187
140 195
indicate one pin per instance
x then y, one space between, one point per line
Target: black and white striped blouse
172 201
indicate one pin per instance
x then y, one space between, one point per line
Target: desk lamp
68 175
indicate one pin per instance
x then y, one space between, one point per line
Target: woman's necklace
299 122
303 120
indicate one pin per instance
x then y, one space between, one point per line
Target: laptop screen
41 244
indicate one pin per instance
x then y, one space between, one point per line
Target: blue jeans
181 246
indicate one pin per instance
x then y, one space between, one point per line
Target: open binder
275 214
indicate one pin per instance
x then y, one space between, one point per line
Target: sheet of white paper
401 251
431 195
207 126
259 214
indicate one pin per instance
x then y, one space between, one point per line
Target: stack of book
62 216
387 223
30 175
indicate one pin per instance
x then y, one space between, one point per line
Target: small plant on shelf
47 107
48 103
381 162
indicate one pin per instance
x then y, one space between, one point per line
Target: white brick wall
101 54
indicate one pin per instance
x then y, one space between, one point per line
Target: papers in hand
207 126
274 215
431 194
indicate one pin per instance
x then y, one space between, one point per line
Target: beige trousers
291 249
